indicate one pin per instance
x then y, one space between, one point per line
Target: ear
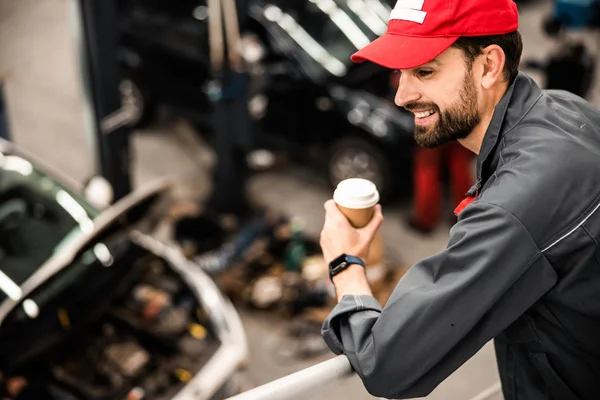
493 66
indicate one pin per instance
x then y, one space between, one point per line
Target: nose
406 92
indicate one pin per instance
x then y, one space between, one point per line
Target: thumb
373 226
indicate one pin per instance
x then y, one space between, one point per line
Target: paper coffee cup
356 198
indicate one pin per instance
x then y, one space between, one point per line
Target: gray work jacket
522 266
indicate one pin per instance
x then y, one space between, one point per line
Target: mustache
421 106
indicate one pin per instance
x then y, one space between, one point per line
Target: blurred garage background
44 94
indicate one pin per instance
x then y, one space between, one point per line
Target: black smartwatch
341 263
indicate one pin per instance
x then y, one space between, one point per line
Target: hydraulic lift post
109 141
232 130
110 134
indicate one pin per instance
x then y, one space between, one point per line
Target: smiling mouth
424 114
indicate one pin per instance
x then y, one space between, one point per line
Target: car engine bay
148 341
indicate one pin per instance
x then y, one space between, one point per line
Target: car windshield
330 31
38 216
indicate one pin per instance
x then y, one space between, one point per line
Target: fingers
333 215
331 209
375 222
339 236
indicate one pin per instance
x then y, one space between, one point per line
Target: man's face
443 97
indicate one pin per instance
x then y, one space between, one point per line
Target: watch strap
342 262
355 260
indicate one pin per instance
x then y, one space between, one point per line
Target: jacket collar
520 96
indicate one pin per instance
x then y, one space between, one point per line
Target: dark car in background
92 306
307 99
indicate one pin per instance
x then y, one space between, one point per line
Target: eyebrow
435 62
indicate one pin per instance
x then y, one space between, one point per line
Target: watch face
336 261
340 267
341 263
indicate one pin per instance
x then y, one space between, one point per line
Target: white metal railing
317 377
302 382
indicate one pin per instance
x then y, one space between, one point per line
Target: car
306 98
93 305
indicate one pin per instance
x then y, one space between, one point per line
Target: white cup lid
356 193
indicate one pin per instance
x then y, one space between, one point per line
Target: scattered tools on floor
268 263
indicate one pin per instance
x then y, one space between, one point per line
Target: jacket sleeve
445 308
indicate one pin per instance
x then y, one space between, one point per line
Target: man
523 262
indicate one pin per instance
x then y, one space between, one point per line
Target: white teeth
424 114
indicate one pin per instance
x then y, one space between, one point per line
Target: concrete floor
39 68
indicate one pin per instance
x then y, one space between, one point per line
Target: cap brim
402 52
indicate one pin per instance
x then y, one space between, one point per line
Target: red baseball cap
420 30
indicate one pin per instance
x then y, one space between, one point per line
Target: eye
424 73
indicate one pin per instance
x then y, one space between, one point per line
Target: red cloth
428 185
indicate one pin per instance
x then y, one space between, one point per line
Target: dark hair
511 43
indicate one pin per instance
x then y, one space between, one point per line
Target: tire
135 97
358 158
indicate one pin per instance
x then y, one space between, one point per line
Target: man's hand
339 236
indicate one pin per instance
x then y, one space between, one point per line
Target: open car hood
218 361
131 212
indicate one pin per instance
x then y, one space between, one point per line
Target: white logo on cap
409 10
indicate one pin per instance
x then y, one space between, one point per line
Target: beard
456 122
